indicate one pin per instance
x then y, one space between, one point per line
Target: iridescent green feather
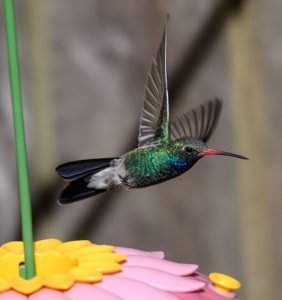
151 165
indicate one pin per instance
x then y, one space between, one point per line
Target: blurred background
83 66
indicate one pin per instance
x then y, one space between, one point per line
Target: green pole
23 183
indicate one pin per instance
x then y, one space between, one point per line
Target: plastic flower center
58 265
48 262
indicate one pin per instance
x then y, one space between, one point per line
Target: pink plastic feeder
80 270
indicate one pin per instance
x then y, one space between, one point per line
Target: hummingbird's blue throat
182 165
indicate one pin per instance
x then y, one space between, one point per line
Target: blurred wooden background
84 65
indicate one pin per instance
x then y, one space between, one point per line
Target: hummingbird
165 149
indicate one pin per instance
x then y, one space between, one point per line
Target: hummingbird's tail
79 173
77 190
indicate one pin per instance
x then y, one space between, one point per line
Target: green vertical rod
23 182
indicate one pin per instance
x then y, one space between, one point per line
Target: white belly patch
108 178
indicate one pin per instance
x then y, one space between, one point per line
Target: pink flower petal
12 295
161 279
193 296
130 289
131 251
160 264
47 294
84 291
206 293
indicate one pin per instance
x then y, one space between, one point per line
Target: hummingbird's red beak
219 152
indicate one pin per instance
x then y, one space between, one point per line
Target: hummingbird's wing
198 123
154 120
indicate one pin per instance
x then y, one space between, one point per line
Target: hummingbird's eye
189 150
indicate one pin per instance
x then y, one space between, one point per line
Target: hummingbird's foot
125 182
123 179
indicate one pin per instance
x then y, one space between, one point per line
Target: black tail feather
77 190
78 172
77 169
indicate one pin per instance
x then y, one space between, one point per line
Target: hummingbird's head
192 149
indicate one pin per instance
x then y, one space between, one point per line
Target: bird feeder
52 269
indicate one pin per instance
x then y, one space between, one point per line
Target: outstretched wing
154 120
198 123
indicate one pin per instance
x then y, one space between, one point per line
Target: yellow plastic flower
58 265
